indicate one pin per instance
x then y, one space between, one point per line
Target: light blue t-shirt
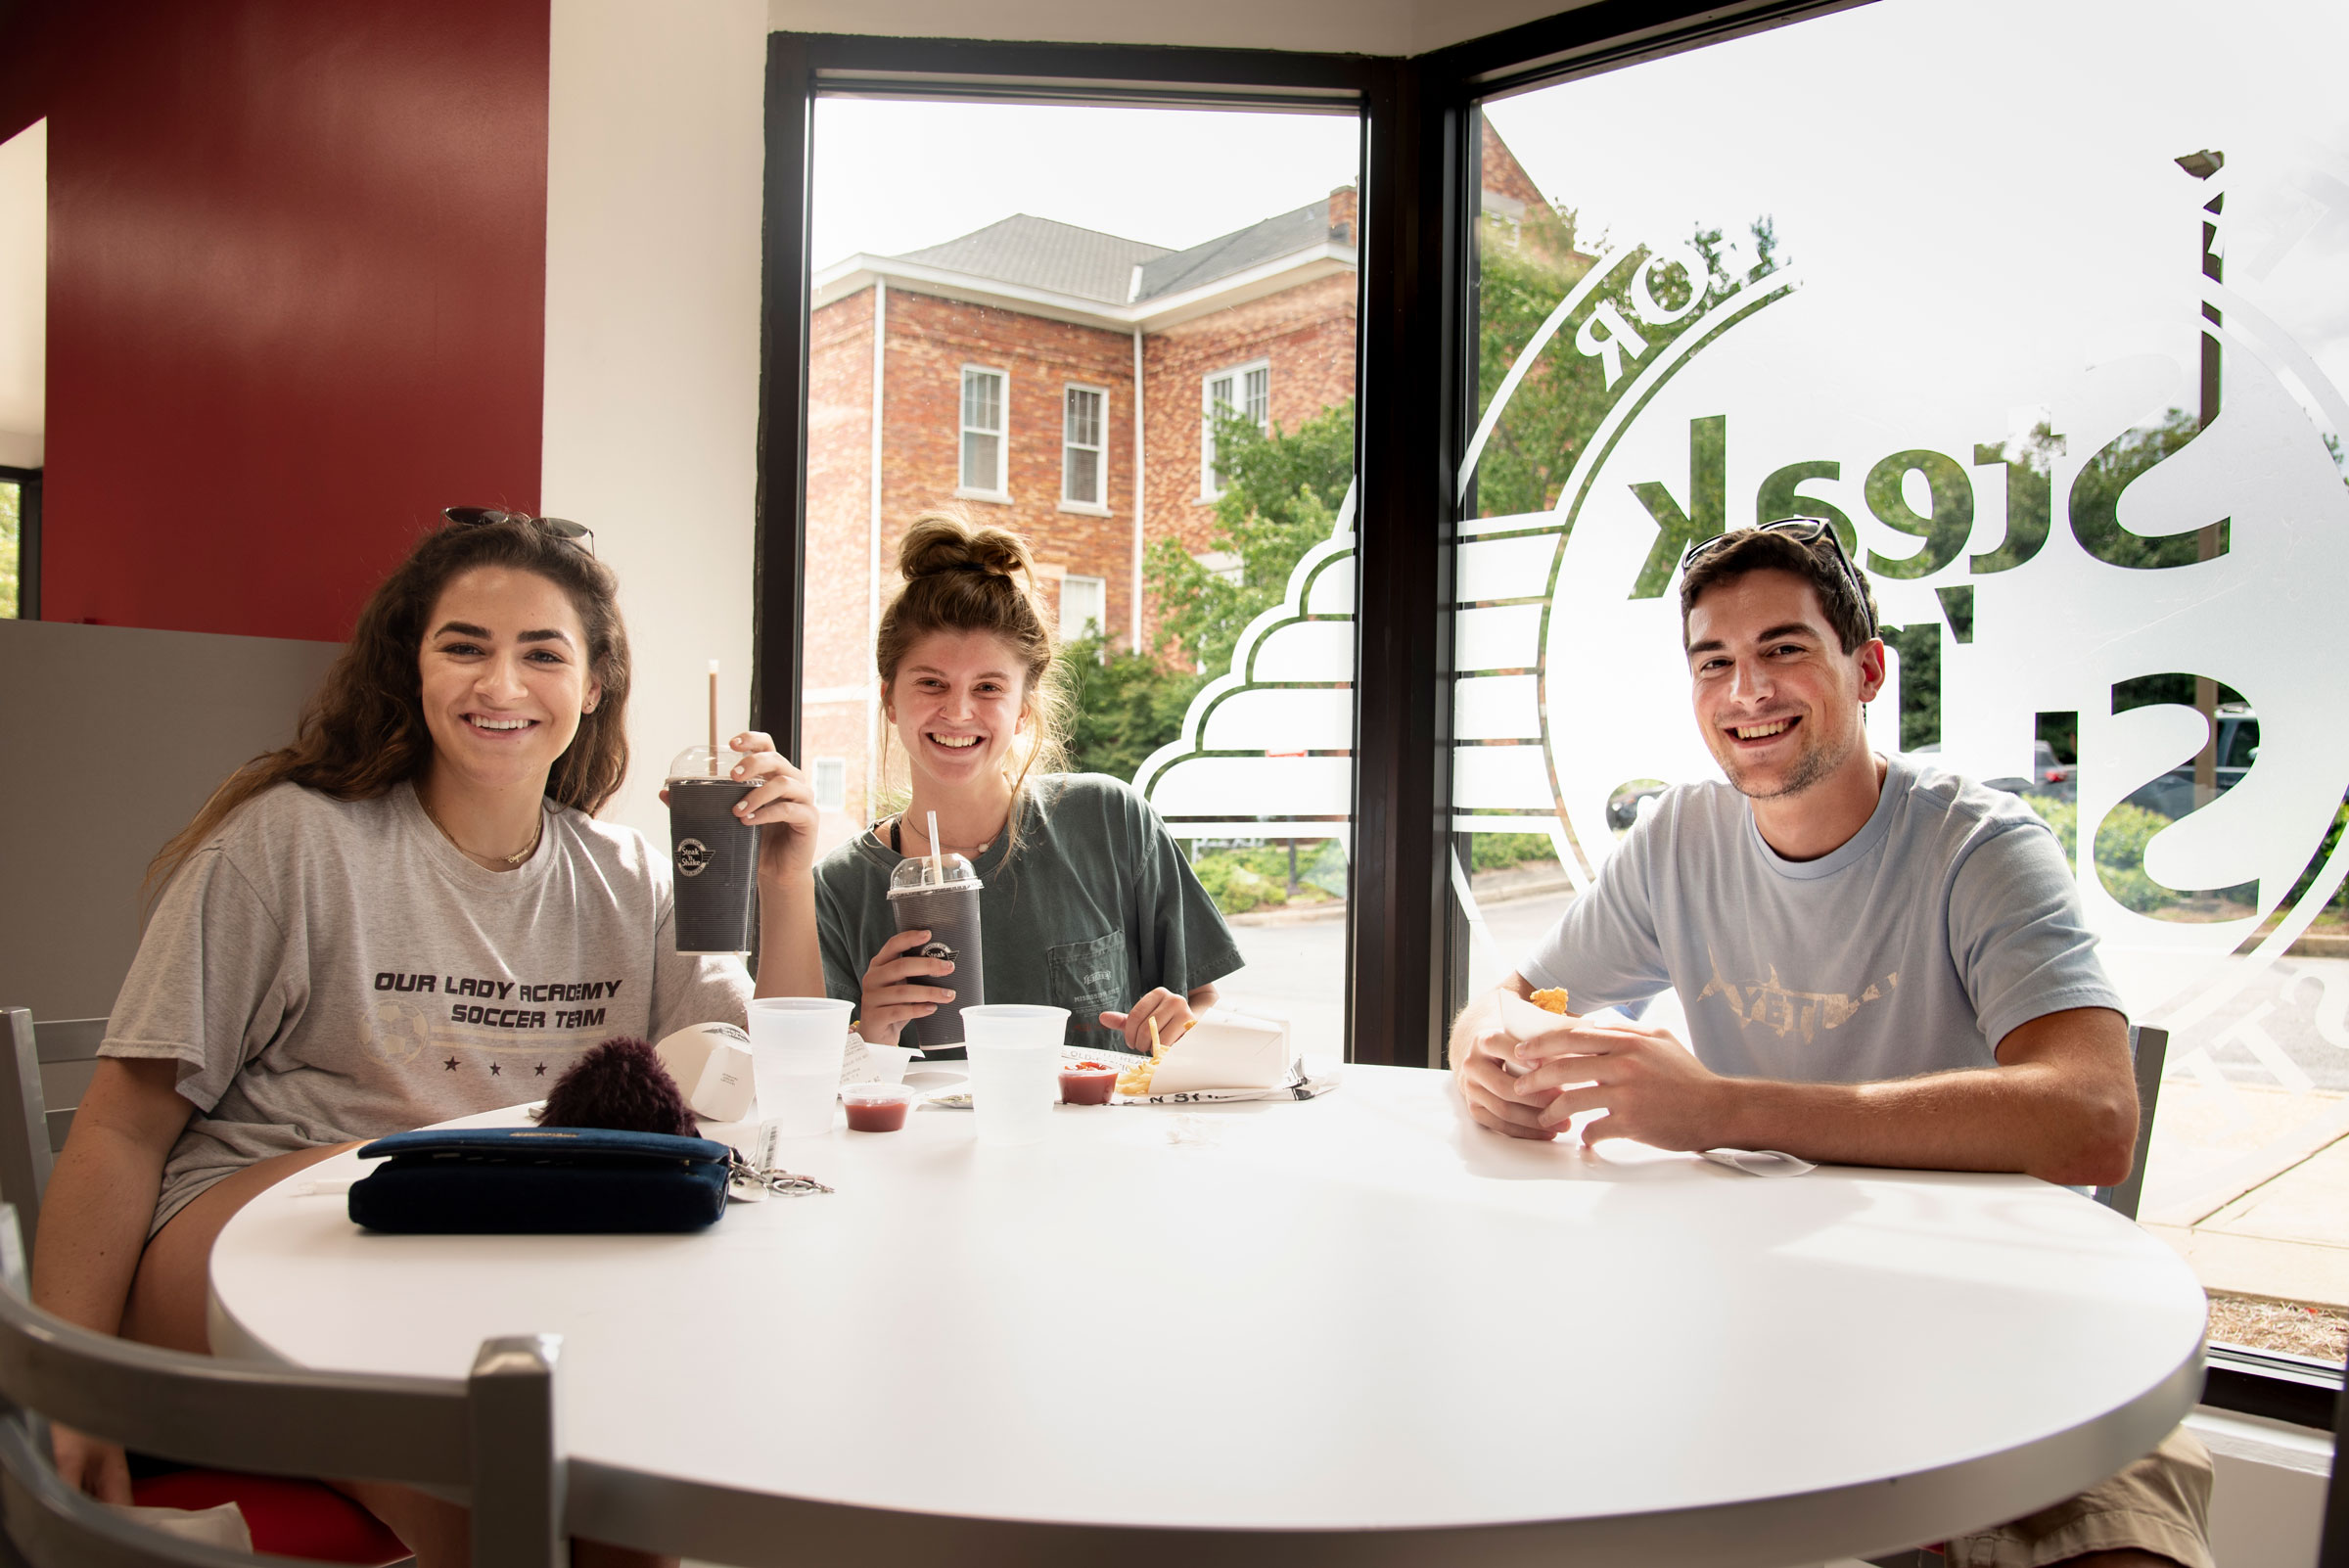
1946 922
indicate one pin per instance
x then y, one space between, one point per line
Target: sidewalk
2251 1189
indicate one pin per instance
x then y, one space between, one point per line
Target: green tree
1281 493
10 550
1534 443
1127 705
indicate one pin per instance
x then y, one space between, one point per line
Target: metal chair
2150 1048
31 1128
492 1433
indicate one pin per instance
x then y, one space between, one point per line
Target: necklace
896 841
508 861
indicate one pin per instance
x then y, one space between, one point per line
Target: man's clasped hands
1529 1073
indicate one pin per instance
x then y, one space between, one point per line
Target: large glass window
1034 334
2051 333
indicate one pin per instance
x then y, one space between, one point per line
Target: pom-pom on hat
622 1085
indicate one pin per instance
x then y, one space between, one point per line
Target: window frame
1417 321
1208 490
817 766
1098 507
964 490
28 538
1101 621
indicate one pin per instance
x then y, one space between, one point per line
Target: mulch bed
2321 1333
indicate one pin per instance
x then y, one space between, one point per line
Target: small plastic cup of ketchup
876 1107
1088 1083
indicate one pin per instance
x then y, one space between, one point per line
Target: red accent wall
296 295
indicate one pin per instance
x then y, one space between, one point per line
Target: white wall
656 144
1357 26
23 294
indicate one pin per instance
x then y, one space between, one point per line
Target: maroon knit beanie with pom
622 1085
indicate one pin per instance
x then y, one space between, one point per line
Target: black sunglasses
1802 531
560 527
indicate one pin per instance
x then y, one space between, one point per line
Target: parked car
2054 779
2173 794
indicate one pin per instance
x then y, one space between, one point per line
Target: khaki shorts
2161 1504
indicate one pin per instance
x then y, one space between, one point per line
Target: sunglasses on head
560 528
1802 531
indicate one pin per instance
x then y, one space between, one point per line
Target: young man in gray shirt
1881 965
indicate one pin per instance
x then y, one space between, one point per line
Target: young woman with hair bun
1085 902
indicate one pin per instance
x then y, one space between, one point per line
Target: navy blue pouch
540 1181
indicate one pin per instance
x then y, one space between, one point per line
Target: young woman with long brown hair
1087 903
408 914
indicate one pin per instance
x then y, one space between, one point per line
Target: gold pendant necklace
510 861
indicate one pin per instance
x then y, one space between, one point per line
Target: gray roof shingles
1040 253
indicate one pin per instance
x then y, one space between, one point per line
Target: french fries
1135 1079
1552 1000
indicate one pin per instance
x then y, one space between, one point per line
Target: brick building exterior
1009 363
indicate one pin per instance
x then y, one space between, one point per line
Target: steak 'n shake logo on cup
692 857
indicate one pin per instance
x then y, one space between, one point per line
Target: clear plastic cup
1015 1069
798 1044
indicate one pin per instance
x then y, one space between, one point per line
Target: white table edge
723 1524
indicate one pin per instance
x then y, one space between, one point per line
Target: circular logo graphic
693 857
935 949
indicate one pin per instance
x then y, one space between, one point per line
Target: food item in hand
1087 1083
1135 1079
1552 1000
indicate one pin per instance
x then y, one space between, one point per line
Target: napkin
1761 1161
1225 1051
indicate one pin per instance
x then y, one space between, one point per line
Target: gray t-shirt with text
1949 919
326 970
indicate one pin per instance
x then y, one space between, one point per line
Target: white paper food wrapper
220 1525
864 1062
1225 1051
711 1064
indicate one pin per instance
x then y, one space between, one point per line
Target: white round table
1354 1330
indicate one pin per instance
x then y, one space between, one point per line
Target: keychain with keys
749 1181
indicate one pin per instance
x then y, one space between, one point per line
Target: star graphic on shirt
541 1070
496 1069
451 1064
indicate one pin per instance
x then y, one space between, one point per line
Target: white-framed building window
1084 461
986 406
1083 602
1243 389
831 783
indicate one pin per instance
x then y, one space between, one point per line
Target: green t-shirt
1097 908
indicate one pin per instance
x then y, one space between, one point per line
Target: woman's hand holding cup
782 803
893 995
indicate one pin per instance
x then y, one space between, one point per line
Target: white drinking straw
713 718
938 867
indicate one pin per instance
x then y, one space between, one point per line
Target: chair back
35 1110
493 1434
2150 1048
